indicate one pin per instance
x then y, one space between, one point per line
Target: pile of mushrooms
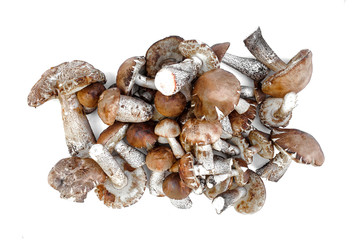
179 124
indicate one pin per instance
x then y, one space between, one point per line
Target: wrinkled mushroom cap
301 146
65 78
193 48
161 52
187 173
293 78
112 135
142 135
174 188
74 177
167 128
170 106
159 159
261 139
108 105
128 195
215 94
241 123
127 72
200 132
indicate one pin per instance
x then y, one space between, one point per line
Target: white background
307 203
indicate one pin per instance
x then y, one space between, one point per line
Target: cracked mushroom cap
127 72
187 173
129 194
65 78
294 78
215 94
112 135
74 177
174 188
162 52
241 123
160 159
255 196
142 135
108 105
301 146
261 139
200 132
170 106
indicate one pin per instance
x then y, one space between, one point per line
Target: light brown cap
89 96
215 94
74 177
174 188
160 159
294 78
161 52
193 48
112 135
187 173
301 146
170 106
241 123
261 139
126 72
167 128
201 132
220 49
108 105
141 135
65 78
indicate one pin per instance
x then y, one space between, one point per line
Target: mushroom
158 160
247 66
169 129
130 73
243 145
114 106
293 144
261 144
291 77
127 195
199 59
175 189
227 131
74 177
219 188
164 51
142 135
228 198
89 96
276 112
170 106
215 94
63 81
225 147
220 49
242 123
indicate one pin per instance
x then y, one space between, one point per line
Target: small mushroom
247 66
175 189
291 77
260 144
170 106
131 73
158 160
226 148
220 49
112 135
142 135
74 177
199 59
89 96
276 112
243 145
114 106
242 123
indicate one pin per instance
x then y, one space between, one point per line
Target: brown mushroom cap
200 132
161 52
174 188
126 72
170 106
214 92
142 135
187 173
159 159
75 177
261 139
254 199
108 105
241 123
65 78
301 146
220 49
293 78
89 96
167 128
129 194
112 135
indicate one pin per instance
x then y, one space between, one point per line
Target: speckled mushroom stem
247 66
228 198
155 184
110 166
131 155
185 203
205 156
225 147
221 166
276 168
263 52
289 103
79 136
131 109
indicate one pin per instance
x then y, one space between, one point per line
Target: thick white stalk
176 147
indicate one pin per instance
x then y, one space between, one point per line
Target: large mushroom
63 82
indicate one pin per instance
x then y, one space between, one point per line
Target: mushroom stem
289 103
225 147
131 155
176 147
213 180
155 185
205 156
144 81
133 110
276 168
110 166
247 66
247 92
262 51
221 166
227 130
185 203
228 198
242 106
79 136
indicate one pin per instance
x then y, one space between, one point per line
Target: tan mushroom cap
200 132
241 123
112 135
254 199
301 146
89 96
142 135
293 78
215 94
170 106
65 78
108 105
167 128
261 139
174 188
160 159
128 195
220 49
187 173
193 48
74 177
161 52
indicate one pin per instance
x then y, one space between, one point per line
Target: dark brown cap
142 135
174 188
220 49
160 159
